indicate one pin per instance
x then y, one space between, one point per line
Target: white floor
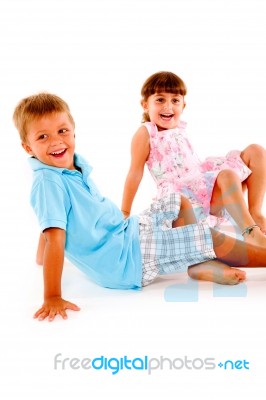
174 318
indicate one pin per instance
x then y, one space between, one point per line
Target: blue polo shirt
99 241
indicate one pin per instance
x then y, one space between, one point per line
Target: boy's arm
53 261
40 249
140 149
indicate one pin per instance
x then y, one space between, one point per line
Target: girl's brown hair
37 106
162 81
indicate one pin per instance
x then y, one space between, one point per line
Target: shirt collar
79 161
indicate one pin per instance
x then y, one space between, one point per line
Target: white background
96 54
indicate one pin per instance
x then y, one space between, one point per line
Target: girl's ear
27 148
144 105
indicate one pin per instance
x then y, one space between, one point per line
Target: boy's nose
55 140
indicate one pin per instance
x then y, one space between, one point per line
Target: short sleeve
51 204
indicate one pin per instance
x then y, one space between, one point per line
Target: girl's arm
140 149
53 261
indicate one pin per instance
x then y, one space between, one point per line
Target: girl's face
164 109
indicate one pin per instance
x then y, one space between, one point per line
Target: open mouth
58 154
166 117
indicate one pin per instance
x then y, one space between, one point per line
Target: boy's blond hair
37 106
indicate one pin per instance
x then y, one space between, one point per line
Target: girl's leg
227 193
254 156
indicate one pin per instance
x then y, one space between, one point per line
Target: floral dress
175 167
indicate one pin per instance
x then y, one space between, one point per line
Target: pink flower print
157 172
168 149
152 134
175 148
157 155
206 166
178 160
168 166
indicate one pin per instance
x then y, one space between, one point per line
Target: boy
90 230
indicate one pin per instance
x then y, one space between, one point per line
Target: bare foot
218 272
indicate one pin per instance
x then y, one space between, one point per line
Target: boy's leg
186 214
233 252
218 272
254 156
238 253
212 270
176 249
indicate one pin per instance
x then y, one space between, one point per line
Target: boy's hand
53 306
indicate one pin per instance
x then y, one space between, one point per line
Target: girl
213 185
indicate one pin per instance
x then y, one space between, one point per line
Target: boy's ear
27 148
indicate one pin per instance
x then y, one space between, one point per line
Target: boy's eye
176 100
43 136
160 100
63 130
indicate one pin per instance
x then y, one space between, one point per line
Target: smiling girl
212 185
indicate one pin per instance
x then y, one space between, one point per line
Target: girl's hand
126 214
53 306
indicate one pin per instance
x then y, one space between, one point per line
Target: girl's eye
176 100
160 100
62 131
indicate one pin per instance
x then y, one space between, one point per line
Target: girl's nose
168 106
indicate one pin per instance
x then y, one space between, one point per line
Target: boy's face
51 140
164 109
